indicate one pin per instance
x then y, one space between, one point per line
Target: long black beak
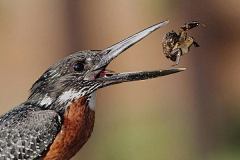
112 52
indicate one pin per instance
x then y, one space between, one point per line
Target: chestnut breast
78 122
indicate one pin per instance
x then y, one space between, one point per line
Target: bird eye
78 66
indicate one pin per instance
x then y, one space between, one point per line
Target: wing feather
25 132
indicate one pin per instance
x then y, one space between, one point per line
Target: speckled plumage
26 131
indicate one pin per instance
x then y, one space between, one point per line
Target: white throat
92 100
71 95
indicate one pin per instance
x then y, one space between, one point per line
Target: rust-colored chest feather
76 129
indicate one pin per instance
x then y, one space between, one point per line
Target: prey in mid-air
177 44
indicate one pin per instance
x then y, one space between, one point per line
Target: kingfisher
57 119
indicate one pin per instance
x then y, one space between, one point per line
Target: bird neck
61 101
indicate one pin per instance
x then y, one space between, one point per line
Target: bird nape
58 117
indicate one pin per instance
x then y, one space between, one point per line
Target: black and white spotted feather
26 132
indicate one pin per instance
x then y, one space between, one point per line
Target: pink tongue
103 73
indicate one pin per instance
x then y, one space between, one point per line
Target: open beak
107 78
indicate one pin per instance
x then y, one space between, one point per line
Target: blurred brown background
190 115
